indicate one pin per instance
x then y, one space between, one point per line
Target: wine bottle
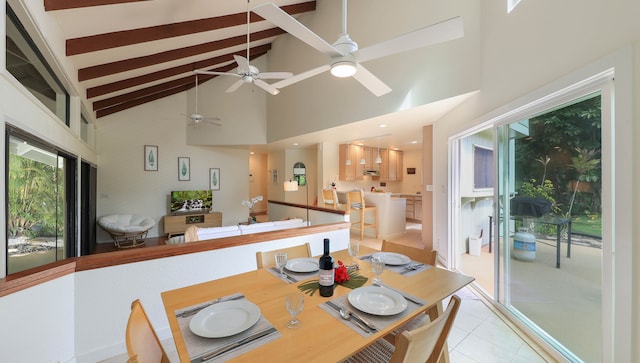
326 273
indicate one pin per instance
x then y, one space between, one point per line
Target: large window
40 209
28 66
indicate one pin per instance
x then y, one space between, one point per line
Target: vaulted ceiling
145 50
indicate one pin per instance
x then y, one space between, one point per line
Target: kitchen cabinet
394 166
355 170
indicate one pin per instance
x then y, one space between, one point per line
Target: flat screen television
191 201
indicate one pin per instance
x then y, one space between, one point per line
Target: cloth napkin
198 347
333 308
408 269
292 276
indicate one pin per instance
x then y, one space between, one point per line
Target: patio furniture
559 222
127 230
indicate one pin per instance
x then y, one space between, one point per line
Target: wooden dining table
321 338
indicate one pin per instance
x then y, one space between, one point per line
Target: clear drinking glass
354 249
377 265
295 303
281 262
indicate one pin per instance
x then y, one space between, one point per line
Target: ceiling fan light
343 68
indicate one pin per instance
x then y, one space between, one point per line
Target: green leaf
355 280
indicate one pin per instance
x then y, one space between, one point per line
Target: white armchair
127 230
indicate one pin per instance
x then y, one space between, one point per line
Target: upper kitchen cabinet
393 166
354 171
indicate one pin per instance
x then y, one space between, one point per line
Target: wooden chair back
267 259
330 198
426 343
355 203
414 253
142 342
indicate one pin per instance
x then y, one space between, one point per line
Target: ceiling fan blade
235 86
215 121
276 75
243 64
301 76
429 35
218 73
273 14
370 81
266 86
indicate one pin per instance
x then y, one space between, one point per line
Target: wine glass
354 249
281 262
295 303
377 265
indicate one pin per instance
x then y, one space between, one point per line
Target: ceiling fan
247 72
346 58
196 119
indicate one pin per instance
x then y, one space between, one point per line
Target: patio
564 302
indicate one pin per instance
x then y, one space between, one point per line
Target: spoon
348 314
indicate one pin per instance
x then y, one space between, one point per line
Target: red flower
341 273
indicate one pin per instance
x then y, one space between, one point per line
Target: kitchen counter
391 213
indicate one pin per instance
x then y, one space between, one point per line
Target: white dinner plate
302 264
377 300
224 319
392 258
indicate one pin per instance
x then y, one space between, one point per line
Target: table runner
198 347
292 276
333 307
408 269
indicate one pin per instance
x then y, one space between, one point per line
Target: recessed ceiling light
414 142
251 153
382 125
295 144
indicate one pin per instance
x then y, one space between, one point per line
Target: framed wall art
150 158
184 169
214 178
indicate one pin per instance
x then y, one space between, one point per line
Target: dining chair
330 198
423 344
266 259
421 255
142 342
355 203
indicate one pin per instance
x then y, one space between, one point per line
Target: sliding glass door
40 204
550 224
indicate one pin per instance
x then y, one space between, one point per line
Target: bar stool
330 198
355 201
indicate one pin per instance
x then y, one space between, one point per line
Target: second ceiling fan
248 73
346 58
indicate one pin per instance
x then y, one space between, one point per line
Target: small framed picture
150 158
184 169
274 176
214 178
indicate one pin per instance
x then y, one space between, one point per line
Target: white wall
522 61
125 187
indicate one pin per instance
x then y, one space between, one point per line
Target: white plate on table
392 258
377 300
225 319
302 265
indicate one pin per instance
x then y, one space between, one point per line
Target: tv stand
177 224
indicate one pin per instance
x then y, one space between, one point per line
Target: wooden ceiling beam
170 72
93 43
106 69
50 5
156 89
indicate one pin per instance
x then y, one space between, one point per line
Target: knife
236 344
193 311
